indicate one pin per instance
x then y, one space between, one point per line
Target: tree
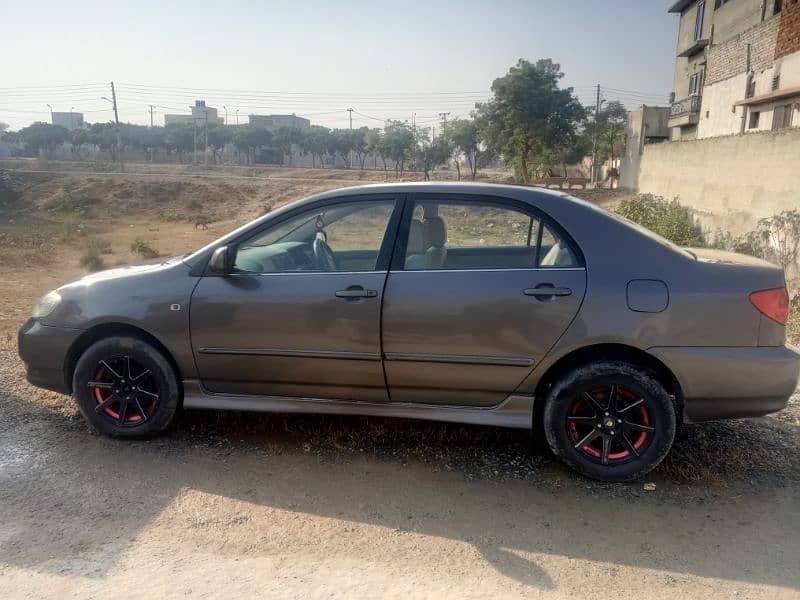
398 141
464 140
180 138
43 137
530 118
427 155
286 138
375 144
340 143
314 141
250 139
359 144
609 126
218 137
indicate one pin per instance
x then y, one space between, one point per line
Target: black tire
623 447
149 392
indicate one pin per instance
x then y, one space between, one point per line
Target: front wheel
126 388
610 421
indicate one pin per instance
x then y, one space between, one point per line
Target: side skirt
515 411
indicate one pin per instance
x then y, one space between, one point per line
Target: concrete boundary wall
730 181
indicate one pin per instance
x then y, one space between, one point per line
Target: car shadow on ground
727 493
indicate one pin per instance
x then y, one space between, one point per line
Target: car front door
299 315
479 290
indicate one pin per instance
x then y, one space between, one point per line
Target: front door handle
356 291
547 290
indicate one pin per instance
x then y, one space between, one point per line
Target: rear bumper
726 383
44 351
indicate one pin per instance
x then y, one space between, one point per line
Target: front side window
473 235
338 237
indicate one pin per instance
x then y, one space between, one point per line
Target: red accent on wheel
580 404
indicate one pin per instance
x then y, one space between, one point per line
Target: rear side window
474 235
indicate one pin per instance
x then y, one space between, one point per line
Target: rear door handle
543 291
356 292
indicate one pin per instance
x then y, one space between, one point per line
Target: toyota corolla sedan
471 303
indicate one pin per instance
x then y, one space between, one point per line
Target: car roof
466 187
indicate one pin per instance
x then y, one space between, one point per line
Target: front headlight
46 304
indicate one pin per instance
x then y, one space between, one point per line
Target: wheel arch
598 352
103 331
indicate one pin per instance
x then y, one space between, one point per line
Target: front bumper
726 383
44 351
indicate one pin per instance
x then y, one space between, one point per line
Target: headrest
416 238
435 232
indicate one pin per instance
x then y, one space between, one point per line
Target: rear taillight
773 303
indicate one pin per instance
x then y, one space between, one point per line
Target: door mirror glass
219 262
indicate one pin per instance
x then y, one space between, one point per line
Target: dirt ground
235 505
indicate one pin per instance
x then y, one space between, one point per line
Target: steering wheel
324 259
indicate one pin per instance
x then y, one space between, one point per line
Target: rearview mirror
220 261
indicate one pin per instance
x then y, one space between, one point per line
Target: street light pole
51 114
226 114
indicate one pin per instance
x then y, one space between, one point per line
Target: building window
782 116
698 21
718 3
694 84
778 7
754 118
751 87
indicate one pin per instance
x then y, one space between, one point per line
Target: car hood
124 272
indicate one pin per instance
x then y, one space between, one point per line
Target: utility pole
443 115
151 116
51 114
116 120
350 153
237 116
205 141
594 137
225 108
194 152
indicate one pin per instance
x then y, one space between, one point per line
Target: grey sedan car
472 303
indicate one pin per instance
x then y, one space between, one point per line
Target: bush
99 245
667 218
72 204
144 249
9 192
92 261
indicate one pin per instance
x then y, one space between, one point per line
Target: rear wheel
610 421
125 387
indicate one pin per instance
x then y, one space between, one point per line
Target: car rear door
479 290
281 326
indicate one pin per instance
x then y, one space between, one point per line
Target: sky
318 58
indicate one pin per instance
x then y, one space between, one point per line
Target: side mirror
220 261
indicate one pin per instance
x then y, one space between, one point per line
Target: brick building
737 68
